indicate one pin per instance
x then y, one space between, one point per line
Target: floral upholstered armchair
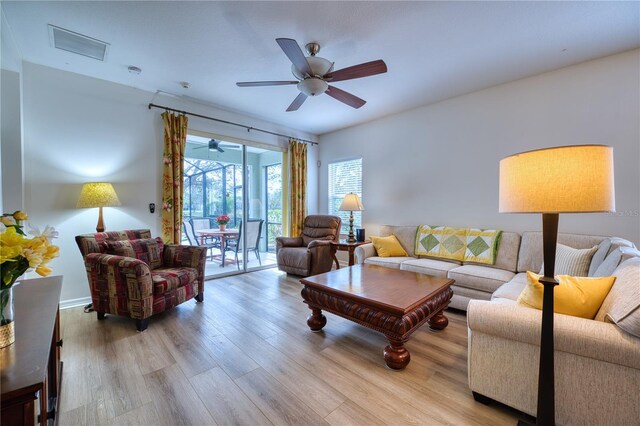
133 275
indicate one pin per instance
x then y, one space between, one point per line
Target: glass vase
7 323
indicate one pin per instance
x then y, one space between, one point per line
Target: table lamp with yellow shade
566 179
98 194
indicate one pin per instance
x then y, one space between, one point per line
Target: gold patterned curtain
175 140
298 186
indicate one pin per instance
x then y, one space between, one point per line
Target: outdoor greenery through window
212 188
273 193
345 177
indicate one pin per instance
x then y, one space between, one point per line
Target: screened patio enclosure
214 185
211 189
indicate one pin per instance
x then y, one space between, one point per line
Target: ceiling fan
215 145
314 73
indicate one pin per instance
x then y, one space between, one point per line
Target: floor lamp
567 179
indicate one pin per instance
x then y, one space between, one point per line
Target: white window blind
345 177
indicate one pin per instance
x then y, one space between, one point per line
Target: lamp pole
546 393
352 238
100 226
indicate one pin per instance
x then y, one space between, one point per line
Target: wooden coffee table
394 302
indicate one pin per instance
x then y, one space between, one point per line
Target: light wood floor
213 267
246 356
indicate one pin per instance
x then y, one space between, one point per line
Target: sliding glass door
264 206
243 183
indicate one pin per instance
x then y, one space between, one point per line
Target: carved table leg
316 320
396 356
438 321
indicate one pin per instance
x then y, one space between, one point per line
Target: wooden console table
31 368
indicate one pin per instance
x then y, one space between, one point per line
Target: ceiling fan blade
265 83
299 100
219 149
345 97
290 48
200 147
357 71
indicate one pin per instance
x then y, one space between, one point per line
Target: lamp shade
98 194
351 203
566 179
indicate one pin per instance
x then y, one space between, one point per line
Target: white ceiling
433 50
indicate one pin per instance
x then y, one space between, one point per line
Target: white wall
438 164
11 147
78 129
11 176
10 57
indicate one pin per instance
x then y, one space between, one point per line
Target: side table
344 245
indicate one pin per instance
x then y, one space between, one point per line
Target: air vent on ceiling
78 43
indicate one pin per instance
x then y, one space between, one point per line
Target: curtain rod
249 128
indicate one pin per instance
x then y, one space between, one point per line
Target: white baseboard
72 303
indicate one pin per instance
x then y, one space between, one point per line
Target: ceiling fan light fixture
313 86
319 67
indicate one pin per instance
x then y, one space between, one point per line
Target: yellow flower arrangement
19 253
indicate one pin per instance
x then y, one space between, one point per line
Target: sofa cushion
530 255
471 293
605 248
433 267
148 250
388 246
462 296
599 256
575 296
168 279
614 259
405 234
507 257
609 264
622 304
570 261
512 289
389 262
480 277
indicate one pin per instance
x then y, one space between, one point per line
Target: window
345 177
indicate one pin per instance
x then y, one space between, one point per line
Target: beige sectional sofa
516 255
597 362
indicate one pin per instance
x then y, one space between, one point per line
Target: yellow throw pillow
575 296
388 246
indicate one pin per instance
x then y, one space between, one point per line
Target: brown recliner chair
310 253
